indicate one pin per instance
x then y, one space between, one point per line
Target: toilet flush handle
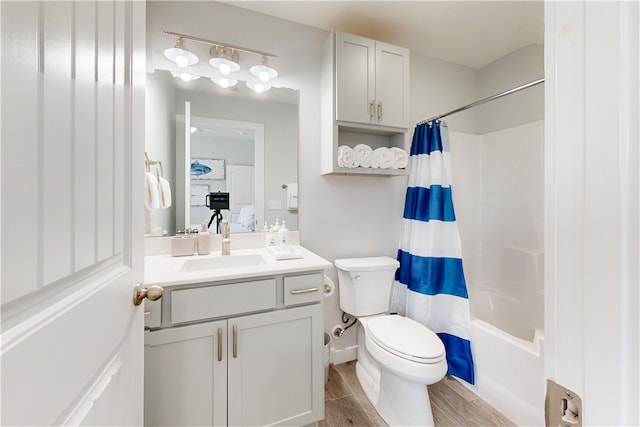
355 276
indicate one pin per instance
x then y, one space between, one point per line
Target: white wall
522 66
160 142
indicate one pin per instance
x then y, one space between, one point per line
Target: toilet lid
406 338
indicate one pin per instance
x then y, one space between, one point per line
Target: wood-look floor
451 403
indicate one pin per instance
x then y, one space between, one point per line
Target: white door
240 185
72 167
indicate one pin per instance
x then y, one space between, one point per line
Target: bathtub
507 342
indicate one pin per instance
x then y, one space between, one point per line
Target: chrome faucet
226 237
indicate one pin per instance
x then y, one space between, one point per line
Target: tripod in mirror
216 202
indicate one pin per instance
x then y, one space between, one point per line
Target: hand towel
364 155
152 198
280 252
384 157
292 196
164 190
347 157
400 158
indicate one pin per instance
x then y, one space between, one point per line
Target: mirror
242 142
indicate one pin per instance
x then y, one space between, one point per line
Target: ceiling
469 33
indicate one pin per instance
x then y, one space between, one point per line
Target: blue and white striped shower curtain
430 286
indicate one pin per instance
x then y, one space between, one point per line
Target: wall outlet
563 408
275 204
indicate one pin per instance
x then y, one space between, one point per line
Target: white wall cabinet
365 99
245 369
372 81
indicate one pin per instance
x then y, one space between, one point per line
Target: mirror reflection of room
247 143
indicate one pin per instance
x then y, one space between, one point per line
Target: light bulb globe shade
224 82
186 77
258 86
225 59
225 69
263 71
180 55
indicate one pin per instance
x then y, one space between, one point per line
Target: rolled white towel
400 158
347 157
164 190
384 156
364 154
152 198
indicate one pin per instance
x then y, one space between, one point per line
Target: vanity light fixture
225 58
263 71
180 55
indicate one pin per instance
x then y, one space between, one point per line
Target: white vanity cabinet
364 99
372 81
257 363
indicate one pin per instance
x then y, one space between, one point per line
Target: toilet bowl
397 356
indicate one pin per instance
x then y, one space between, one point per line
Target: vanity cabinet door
372 81
392 85
355 78
185 380
276 373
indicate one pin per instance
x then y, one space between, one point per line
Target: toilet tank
365 284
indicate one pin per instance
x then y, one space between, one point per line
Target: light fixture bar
215 43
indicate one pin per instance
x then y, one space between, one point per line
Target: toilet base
368 383
399 402
402 402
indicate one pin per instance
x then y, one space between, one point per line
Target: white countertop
166 270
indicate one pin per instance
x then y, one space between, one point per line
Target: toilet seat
406 338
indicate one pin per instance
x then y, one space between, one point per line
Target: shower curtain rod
485 100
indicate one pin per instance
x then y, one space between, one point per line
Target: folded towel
364 155
164 190
384 157
400 158
347 157
279 252
152 198
292 196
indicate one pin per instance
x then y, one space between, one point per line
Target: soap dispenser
271 238
283 234
204 239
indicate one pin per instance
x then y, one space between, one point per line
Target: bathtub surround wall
498 177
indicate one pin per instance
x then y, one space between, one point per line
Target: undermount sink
216 263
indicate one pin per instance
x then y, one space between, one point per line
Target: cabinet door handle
219 344
303 291
379 111
235 341
372 110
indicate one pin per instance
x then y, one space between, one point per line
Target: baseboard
343 355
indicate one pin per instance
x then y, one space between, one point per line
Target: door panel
71 224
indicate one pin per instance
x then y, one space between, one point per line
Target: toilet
397 356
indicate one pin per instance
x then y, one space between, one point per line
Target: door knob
152 293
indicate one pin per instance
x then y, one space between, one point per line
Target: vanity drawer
152 310
222 300
303 289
